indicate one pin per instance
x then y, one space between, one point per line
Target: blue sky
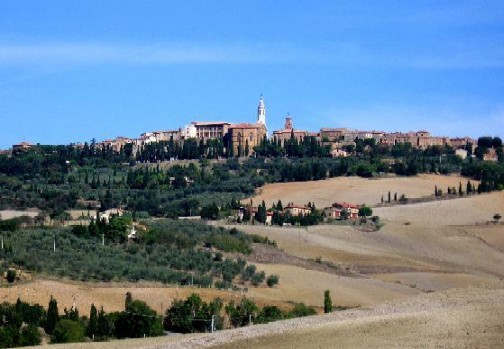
76 70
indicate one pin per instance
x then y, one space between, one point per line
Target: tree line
20 322
56 178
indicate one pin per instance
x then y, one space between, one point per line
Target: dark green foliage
258 278
31 314
52 316
115 230
301 310
210 212
29 335
12 317
365 211
41 176
272 280
170 252
248 272
138 320
491 174
104 326
327 302
11 275
9 336
193 315
242 314
189 234
269 314
72 314
485 142
497 217
68 331
92 327
260 215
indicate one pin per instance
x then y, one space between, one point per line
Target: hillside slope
468 318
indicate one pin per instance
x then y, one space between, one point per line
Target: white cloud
469 54
174 53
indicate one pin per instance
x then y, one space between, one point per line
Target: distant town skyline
70 72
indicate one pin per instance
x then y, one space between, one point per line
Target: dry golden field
109 295
354 189
8 214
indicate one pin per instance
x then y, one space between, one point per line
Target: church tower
261 112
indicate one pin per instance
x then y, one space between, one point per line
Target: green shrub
272 280
30 335
269 314
68 331
11 275
301 310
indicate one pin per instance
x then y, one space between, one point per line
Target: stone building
288 131
244 137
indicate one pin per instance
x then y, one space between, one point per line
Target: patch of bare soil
272 255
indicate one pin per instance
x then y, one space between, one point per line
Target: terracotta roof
209 123
244 125
302 207
169 131
345 205
326 129
289 131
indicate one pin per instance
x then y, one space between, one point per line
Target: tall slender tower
261 112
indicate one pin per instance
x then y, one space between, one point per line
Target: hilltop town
240 139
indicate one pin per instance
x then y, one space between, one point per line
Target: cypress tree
92 327
128 300
52 316
327 301
103 327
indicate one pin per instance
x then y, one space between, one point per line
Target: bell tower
261 112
